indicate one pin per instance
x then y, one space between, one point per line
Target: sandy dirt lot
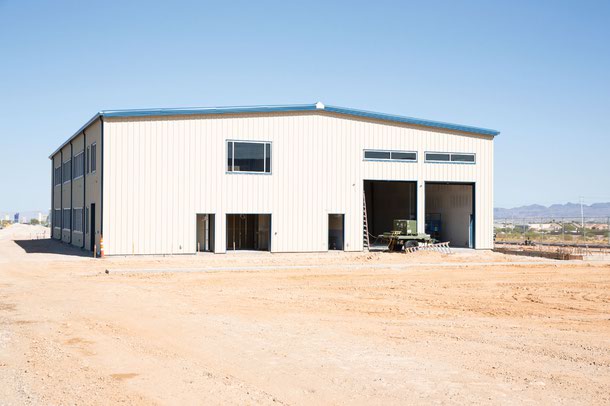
336 328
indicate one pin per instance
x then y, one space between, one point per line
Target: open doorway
387 201
450 213
205 232
249 232
336 233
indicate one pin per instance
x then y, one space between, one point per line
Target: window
93 157
67 219
462 158
450 157
245 156
57 176
77 220
78 165
57 218
431 156
67 171
378 155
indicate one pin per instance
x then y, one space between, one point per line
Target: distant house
549 227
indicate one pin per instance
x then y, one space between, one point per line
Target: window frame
74 165
390 159
74 216
263 172
93 158
61 176
450 161
69 165
64 217
55 219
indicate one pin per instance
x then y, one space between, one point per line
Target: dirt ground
331 328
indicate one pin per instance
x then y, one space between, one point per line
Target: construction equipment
405 235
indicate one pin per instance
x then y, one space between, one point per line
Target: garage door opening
249 232
205 232
450 213
387 201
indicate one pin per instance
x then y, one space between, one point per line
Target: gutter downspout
102 178
61 195
84 188
71 191
52 195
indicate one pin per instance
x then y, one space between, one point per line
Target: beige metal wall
160 172
75 194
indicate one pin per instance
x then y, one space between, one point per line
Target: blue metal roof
283 108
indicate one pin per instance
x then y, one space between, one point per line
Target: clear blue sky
538 71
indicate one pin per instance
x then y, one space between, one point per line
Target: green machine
404 234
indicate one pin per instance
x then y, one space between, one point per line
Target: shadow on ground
50 246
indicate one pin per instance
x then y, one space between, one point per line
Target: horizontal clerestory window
383 155
450 157
248 157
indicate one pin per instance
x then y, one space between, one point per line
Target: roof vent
320 105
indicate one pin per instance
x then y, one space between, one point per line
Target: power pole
582 219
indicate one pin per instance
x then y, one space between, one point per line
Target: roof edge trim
411 120
319 106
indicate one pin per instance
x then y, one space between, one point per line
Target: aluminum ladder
365 225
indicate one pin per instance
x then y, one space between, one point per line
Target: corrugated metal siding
161 172
70 194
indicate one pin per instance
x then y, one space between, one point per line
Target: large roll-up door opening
387 201
249 232
450 213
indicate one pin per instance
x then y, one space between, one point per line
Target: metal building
289 178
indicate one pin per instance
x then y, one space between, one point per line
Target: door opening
336 232
450 215
205 232
249 232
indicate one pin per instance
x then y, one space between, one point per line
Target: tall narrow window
248 157
78 165
77 220
57 218
67 217
57 176
93 157
67 171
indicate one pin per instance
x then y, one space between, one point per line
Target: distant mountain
555 210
